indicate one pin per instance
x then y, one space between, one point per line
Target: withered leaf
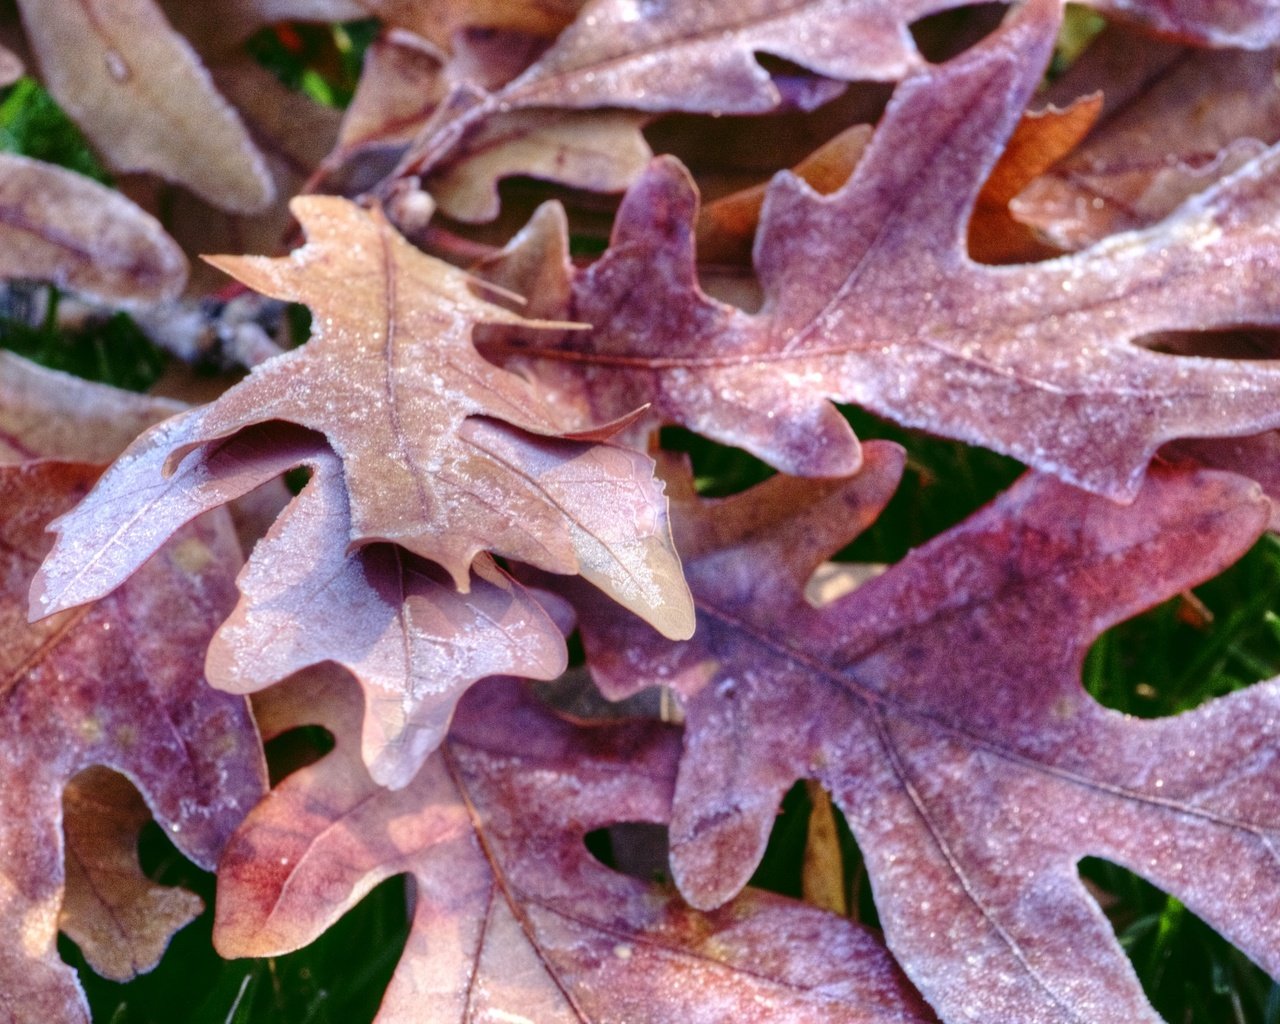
441 21
726 227
117 684
871 298
395 621
47 414
1257 457
443 453
940 703
1248 24
1039 141
1132 171
120 919
405 80
293 132
66 228
690 57
142 96
514 920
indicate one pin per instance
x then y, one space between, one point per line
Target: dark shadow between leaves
635 848
1243 342
294 749
947 34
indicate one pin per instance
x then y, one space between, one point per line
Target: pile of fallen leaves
1079 275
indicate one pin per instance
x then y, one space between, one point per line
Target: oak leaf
406 82
1130 172
105 61
1246 24
940 703
121 920
657 57
513 918
68 229
871 298
116 684
395 621
48 414
442 452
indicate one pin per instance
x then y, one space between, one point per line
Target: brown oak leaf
1247 24
121 920
514 919
106 60
116 684
66 228
394 620
1132 171
403 84
47 414
655 57
871 298
443 453
940 703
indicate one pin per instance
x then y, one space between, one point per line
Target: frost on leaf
1247 24
871 298
622 55
116 684
940 704
395 621
514 919
1132 170
442 452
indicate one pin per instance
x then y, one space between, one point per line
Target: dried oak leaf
48 414
726 226
871 298
1247 24
403 85
66 228
121 920
116 684
1132 170
394 620
941 706
657 57
514 919
144 99
293 132
443 453
1257 457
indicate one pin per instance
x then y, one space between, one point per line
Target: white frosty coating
527 923
135 507
412 640
394 382
702 57
940 703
